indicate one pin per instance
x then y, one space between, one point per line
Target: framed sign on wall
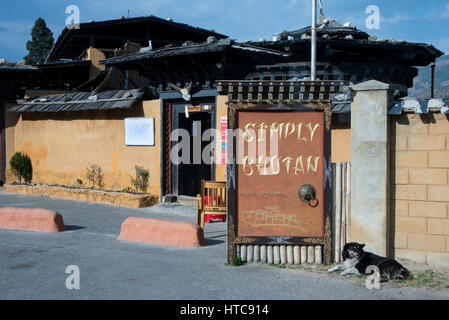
139 131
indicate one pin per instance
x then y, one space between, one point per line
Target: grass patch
237 261
282 266
427 278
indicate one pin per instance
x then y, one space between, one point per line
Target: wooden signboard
264 206
268 201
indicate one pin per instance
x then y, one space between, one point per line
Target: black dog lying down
356 261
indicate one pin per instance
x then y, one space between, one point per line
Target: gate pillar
369 166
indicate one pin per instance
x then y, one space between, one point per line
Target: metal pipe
313 43
432 83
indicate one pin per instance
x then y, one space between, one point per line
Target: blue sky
411 20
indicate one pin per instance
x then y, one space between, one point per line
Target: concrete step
180 199
187 200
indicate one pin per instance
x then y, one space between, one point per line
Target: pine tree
40 44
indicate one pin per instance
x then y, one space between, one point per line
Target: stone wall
420 187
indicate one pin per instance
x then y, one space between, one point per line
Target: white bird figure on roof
184 91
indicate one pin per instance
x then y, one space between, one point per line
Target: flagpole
313 43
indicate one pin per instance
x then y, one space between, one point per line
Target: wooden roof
81 101
191 49
7 66
338 43
113 34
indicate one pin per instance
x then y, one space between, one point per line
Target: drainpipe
432 81
313 43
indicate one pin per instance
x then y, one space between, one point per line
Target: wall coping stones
370 85
412 105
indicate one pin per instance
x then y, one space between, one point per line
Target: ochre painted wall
95 56
61 146
420 188
341 145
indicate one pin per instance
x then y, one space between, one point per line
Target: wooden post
290 254
256 253
319 255
337 211
283 254
348 202
343 206
263 254
276 255
296 255
250 253
243 252
303 254
310 254
270 254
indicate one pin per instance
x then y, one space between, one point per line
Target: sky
410 20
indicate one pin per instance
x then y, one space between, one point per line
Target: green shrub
141 181
237 261
21 167
128 190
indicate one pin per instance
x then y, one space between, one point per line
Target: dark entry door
186 177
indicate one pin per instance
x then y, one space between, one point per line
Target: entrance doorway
186 177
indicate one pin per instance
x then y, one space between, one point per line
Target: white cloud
397 18
445 12
442 44
292 3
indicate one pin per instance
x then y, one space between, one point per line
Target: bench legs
200 218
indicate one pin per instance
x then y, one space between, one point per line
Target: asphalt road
33 264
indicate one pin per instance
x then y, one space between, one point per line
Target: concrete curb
163 232
41 220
